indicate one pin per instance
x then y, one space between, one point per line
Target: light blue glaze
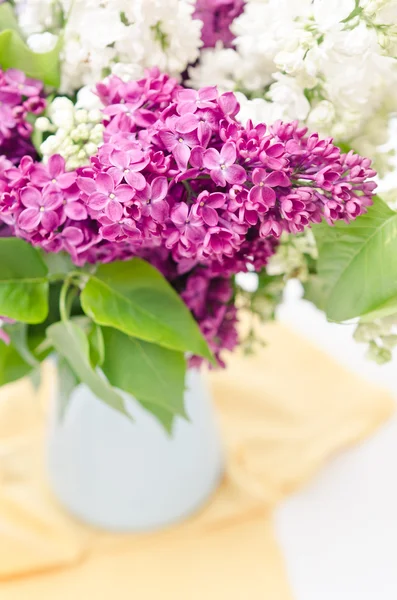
128 476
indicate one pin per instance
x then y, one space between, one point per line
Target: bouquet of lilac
178 199
126 218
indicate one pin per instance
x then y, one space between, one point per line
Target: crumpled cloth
283 411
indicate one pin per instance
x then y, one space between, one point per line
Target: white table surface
339 533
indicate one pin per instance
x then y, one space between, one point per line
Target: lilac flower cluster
210 300
178 177
19 97
217 16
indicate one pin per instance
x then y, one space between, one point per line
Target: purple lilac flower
207 205
127 165
53 173
109 197
125 229
19 96
192 100
210 300
222 167
217 16
69 240
152 198
177 140
40 209
188 227
17 80
180 182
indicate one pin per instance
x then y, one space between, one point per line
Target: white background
339 534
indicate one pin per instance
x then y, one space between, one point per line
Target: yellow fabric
283 412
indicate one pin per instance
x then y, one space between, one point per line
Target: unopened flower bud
81 155
378 354
42 42
73 163
366 332
43 124
49 146
81 116
389 341
96 134
80 133
69 150
90 148
95 116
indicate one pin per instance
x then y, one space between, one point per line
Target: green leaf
18 333
357 263
384 310
12 365
164 416
135 298
345 147
23 283
357 10
315 291
67 382
155 376
97 345
16 54
8 19
58 263
38 341
70 341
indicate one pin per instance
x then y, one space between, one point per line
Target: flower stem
65 301
62 300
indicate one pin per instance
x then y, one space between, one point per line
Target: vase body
132 476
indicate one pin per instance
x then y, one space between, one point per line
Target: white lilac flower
76 131
322 116
328 63
258 110
381 337
36 16
381 11
42 42
117 36
291 257
175 37
288 94
328 14
218 66
267 28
